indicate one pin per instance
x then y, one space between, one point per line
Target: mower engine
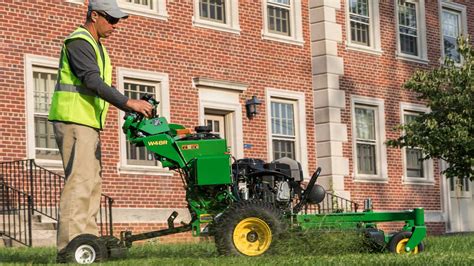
278 182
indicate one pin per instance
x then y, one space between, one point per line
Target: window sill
370 179
419 181
144 170
52 165
284 39
363 49
78 2
216 26
413 59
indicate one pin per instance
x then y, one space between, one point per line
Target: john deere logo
157 142
190 147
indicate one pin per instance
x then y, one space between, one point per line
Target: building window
411 29
454 24
416 170
44 83
360 21
451 30
462 185
414 156
135 89
286 126
363 25
41 77
283 129
368 138
213 10
282 21
146 8
220 15
148 4
279 16
407 27
134 84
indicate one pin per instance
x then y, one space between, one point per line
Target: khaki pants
80 198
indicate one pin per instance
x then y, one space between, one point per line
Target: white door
461 209
216 123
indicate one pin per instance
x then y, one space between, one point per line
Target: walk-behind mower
246 204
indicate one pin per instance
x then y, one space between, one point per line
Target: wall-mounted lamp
251 106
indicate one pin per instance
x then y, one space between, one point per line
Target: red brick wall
381 76
174 47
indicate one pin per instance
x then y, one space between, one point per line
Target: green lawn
336 249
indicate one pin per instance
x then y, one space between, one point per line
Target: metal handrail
16 214
45 188
331 204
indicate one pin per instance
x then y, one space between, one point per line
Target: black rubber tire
92 244
255 210
399 237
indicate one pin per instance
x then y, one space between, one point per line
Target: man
78 111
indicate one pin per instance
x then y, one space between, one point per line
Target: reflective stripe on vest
72 101
74 88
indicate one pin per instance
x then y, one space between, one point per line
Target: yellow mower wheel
399 241
400 248
248 228
252 236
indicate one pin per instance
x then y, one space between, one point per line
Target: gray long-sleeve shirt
83 63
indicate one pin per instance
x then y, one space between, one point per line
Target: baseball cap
108 6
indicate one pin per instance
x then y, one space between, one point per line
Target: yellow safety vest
72 101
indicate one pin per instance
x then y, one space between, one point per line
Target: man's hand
140 106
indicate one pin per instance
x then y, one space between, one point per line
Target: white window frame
31 62
301 145
428 173
122 75
231 17
159 12
295 124
296 26
381 149
421 29
375 46
456 8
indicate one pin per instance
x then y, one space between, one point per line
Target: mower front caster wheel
399 241
86 249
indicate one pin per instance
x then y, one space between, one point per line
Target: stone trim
329 100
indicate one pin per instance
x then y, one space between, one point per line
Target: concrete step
34 226
44 226
41 238
43 231
44 238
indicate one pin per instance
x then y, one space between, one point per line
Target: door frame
227 102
